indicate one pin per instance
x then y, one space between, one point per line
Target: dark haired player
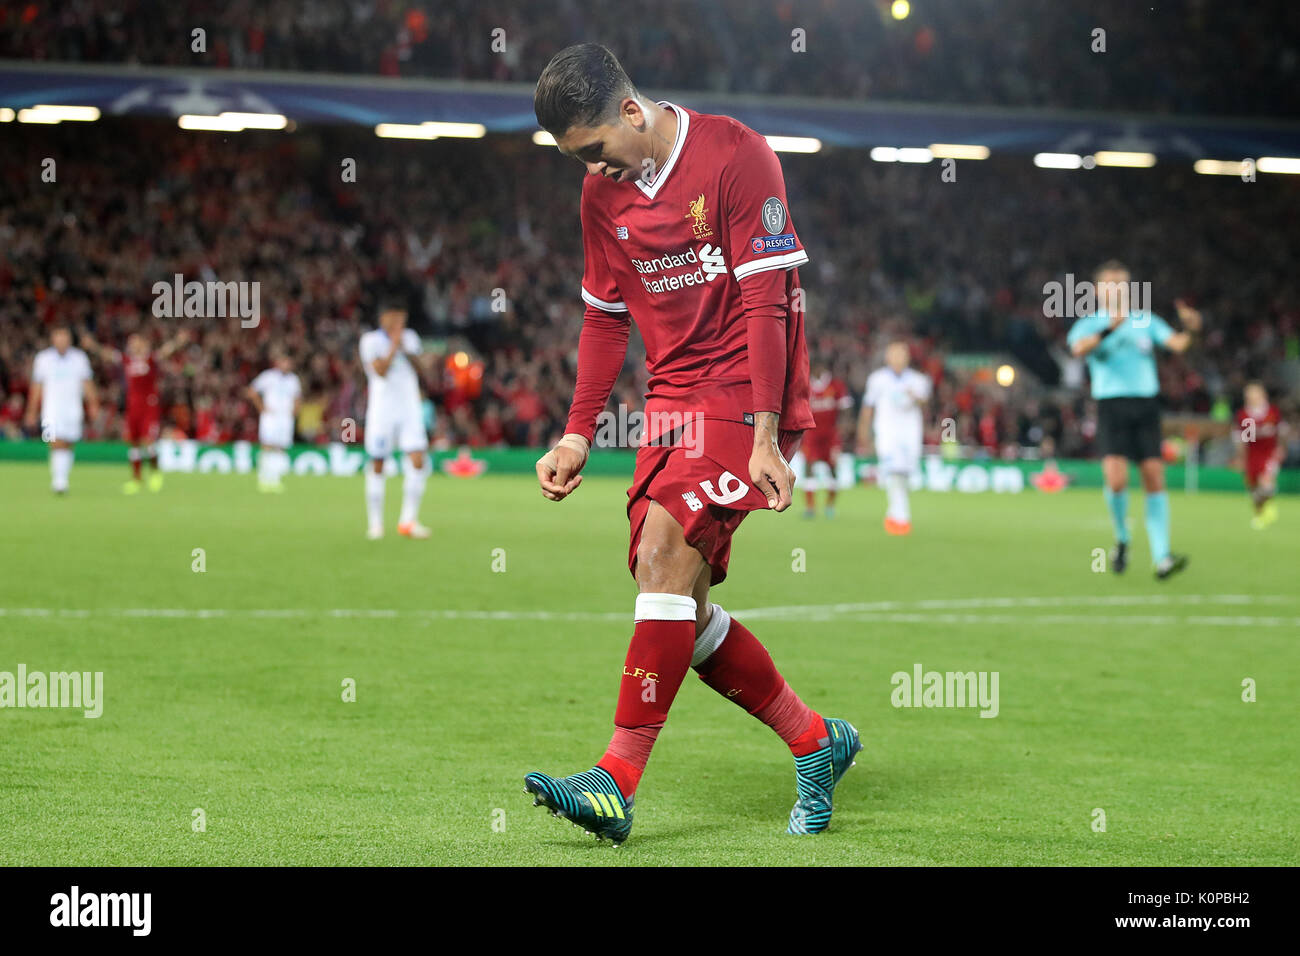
390 355
685 229
829 399
61 383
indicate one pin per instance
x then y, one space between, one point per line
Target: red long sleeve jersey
703 258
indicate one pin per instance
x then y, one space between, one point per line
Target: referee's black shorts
1129 427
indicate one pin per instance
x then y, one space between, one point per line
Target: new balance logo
692 500
605 804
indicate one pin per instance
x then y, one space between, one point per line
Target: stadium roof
507 108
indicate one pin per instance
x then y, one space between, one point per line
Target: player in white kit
61 380
394 421
893 402
277 395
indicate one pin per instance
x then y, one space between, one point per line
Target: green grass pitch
224 689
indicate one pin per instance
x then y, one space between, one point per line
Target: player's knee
700 592
658 562
665 563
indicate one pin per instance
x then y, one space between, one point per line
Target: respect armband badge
761 245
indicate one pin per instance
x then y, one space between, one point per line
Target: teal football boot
817 773
590 800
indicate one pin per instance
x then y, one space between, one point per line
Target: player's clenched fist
557 470
772 476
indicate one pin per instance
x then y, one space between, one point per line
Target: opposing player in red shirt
1259 428
829 398
685 229
143 414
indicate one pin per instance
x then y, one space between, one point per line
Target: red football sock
657 661
135 468
801 727
741 670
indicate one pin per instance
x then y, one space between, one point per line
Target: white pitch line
954 604
902 612
1153 619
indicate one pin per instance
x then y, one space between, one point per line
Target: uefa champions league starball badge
773 215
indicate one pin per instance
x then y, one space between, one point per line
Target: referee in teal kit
1120 348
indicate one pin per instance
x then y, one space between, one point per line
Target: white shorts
61 428
899 456
387 433
275 431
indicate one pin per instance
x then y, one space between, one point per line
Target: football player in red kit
829 398
685 231
1259 429
143 415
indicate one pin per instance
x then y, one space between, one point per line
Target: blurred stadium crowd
956 267
1185 56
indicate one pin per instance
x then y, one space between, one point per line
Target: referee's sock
1157 518
1117 502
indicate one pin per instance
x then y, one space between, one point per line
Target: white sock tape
715 632
665 607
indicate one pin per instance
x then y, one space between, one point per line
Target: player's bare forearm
1085 345
766 428
109 355
864 429
33 404
92 400
384 363
178 341
768 469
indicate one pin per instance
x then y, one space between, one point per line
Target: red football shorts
703 482
1261 468
821 446
142 424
